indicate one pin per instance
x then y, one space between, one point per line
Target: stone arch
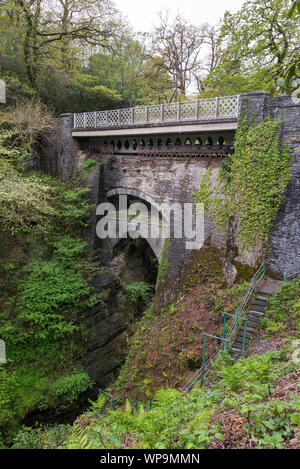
136 193
156 244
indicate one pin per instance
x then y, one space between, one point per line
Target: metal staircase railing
202 374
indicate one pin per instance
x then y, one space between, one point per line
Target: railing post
217 107
146 107
203 351
132 116
162 112
224 325
178 112
84 120
106 118
119 117
244 338
197 109
95 119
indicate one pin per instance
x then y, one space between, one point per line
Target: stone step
258 308
240 341
252 324
237 351
261 297
259 302
258 314
241 335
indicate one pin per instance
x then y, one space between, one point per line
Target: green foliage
49 438
74 206
290 81
190 421
254 44
25 202
139 291
8 406
45 278
252 183
249 374
283 309
89 165
67 389
174 422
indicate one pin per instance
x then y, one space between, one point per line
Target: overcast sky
142 14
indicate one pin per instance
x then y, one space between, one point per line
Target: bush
67 389
283 308
139 291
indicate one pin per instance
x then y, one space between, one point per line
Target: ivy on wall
251 183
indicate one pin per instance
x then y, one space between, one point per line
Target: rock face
109 324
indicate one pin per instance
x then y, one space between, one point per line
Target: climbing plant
251 183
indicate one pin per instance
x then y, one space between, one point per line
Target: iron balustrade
225 107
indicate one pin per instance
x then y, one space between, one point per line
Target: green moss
251 184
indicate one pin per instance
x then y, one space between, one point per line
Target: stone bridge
160 153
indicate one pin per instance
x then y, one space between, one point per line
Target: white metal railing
225 107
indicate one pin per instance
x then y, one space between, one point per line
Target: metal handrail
225 107
203 372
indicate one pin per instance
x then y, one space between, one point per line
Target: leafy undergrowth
167 348
252 404
45 284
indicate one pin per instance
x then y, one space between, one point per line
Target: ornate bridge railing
226 107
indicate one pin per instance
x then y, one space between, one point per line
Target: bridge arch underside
127 231
218 143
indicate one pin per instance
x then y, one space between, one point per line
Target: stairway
254 315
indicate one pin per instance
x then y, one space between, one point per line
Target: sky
143 14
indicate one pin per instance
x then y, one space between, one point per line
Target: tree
179 44
52 29
259 37
130 69
290 82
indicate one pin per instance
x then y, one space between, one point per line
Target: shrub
67 389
